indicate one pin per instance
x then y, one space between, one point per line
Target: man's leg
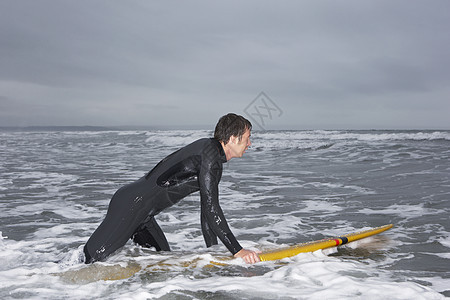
149 234
123 217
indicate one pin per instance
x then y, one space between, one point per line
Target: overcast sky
322 64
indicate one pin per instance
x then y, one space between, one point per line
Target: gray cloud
327 64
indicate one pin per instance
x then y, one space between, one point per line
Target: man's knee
150 235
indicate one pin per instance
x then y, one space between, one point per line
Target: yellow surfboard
321 244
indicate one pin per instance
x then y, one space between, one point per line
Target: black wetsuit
195 167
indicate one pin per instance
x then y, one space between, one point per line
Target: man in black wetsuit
195 167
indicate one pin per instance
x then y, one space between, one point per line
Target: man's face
237 146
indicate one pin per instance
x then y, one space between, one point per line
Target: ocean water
290 187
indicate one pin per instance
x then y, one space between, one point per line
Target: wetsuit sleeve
212 214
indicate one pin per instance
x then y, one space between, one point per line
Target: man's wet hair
231 125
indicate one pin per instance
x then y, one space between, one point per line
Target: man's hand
248 256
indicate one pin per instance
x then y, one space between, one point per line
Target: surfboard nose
321 244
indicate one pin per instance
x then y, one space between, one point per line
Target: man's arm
209 176
212 214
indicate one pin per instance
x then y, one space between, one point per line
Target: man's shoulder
204 146
199 146
203 143
211 149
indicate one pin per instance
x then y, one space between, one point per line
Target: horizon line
189 127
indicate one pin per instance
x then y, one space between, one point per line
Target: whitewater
290 187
